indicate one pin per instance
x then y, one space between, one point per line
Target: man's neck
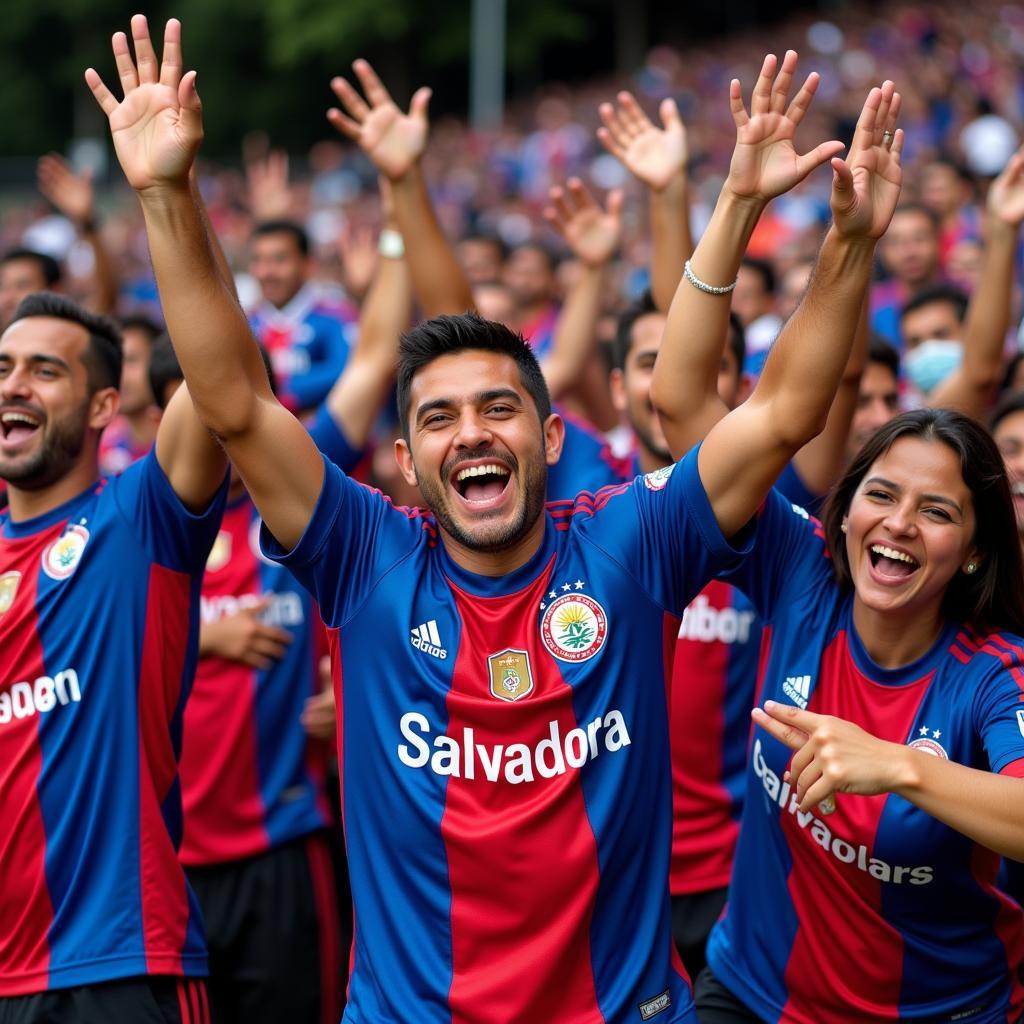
496 563
28 504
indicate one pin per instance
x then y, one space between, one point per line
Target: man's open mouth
481 483
16 425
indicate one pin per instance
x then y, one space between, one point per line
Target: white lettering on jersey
515 763
798 690
706 624
782 794
22 700
285 609
426 638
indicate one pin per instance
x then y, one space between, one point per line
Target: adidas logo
426 638
798 690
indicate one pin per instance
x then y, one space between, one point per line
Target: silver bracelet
702 286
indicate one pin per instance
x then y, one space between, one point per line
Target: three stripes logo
798 690
426 638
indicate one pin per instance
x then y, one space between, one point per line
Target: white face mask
930 363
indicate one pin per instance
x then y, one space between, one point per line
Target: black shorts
717 1005
147 1000
693 917
273 935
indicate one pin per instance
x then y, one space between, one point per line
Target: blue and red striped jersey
587 463
308 342
877 911
251 778
504 752
99 615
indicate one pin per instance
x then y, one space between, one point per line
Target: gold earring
970 568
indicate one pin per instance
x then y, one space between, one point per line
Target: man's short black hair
644 306
924 211
103 356
763 269
937 293
140 322
164 368
881 352
48 266
284 227
536 246
448 335
488 239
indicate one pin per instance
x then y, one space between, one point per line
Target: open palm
592 233
765 162
654 155
157 127
392 140
866 186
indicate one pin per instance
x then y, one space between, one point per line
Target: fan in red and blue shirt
99 614
883 905
307 331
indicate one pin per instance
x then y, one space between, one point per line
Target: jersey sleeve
999 705
171 534
787 556
354 537
661 529
332 442
328 353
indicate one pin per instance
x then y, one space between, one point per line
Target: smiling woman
890 745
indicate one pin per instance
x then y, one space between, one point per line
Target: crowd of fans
572 225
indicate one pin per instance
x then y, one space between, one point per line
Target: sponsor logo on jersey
929 744
703 623
656 481
652 1007
8 589
61 558
426 638
574 627
784 796
801 511
284 609
24 699
510 674
220 553
514 763
798 690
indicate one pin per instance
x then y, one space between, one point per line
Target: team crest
511 678
657 480
929 745
220 553
61 558
574 627
8 588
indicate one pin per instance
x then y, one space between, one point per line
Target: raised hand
158 126
866 186
765 162
392 140
72 194
593 234
831 755
654 155
1005 200
266 177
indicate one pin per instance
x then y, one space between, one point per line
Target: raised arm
363 387
395 143
73 195
593 235
764 164
971 386
745 452
156 130
657 157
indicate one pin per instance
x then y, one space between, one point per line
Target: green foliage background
262 65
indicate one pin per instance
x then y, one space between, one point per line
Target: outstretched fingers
171 65
124 63
760 99
864 133
104 97
374 88
350 99
802 100
780 88
632 114
145 55
739 111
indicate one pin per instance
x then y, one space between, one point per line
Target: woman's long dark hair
993 597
